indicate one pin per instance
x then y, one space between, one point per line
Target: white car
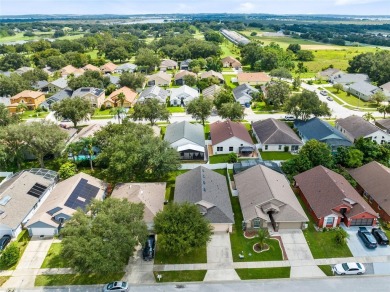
289 118
323 92
349 269
116 286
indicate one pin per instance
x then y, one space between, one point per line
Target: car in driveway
116 286
367 238
380 236
148 251
4 241
349 269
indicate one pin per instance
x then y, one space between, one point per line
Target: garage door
362 222
42 231
290 225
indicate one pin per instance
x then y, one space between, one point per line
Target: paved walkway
139 271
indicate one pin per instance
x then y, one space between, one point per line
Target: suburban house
320 130
90 67
58 84
243 93
67 70
129 94
167 64
75 192
362 90
185 65
275 135
266 200
61 95
183 95
127 67
208 190
348 78
256 78
179 77
32 99
108 68
230 62
20 197
41 85
331 200
154 92
384 125
373 183
23 70
328 73
161 79
211 91
94 95
187 139
354 127
152 195
212 73
228 136
386 88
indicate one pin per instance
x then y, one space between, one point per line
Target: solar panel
37 190
82 195
53 211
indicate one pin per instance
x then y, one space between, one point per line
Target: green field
229 49
38 35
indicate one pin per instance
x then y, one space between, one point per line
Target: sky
352 7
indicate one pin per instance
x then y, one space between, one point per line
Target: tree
119 53
378 97
318 153
22 107
151 110
13 141
43 138
5 116
281 73
213 36
368 116
10 255
147 58
296 83
13 61
181 228
88 145
214 64
132 80
303 105
231 111
277 93
341 236
130 151
189 80
106 234
301 68
67 170
89 79
200 109
373 151
349 157
338 87
118 112
75 109
223 96
304 55
262 237
294 48
121 98
233 157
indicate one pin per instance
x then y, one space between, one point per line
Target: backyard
276 155
219 158
228 80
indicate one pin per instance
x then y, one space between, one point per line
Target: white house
153 92
183 95
228 136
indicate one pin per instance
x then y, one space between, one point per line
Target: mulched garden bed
250 234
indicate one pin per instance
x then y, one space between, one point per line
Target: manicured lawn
3 279
76 279
219 158
276 155
229 49
264 273
327 269
180 276
198 256
176 109
93 54
171 179
352 100
228 81
240 244
22 240
99 112
53 258
33 114
261 106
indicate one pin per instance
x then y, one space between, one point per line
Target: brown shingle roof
374 178
221 131
253 77
325 189
357 126
91 68
183 73
271 131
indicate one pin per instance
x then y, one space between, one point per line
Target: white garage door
42 231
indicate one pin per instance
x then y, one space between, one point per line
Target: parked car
367 238
148 252
289 118
116 286
4 241
349 269
323 92
380 236
329 98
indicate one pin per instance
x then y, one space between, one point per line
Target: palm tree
121 98
368 117
88 143
341 236
117 111
21 107
75 149
262 237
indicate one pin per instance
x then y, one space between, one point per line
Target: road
345 283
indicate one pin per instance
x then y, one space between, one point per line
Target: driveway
139 271
357 247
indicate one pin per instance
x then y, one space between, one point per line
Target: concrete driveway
139 271
358 248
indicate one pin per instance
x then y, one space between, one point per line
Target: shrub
232 157
310 82
341 236
10 255
67 170
102 107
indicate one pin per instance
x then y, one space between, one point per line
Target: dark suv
367 238
4 241
380 236
148 252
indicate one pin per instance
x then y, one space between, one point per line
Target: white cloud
247 7
352 2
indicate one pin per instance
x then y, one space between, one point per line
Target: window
280 147
256 223
329 221
231 148
294 148
266 147
219 148
379 207
370 199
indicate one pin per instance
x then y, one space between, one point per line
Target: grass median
264 273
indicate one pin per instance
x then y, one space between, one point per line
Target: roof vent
5 200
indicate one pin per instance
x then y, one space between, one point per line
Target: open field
229 49
38 35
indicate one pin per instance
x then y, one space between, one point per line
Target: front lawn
77 279
263 273
176 109
53 258
327 269
276 155
33 114
353 100
198 256
22 241
219 158
180 276
99 112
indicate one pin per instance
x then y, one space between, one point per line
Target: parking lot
358 248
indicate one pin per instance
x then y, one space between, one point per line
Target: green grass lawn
264 273
229 49
276 155
327 269
3 279
76 279
353 100
228 81
262 107
198 256
53 258
180 276
22 241
99 112
170 180
31 114
176 109
93 54
20 37
219 158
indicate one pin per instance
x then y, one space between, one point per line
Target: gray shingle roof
40 84
192 132
271 131
211 90
60 82
357 126
85 90
208 190
65 93
364 88
243 90
127 67
347 78
154 92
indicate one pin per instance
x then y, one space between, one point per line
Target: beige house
212 73
266 200
108 67
95 96
152 195
159 79
179 77
90 67
67 70
32 99
130 96
255 78
168 65
230 62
